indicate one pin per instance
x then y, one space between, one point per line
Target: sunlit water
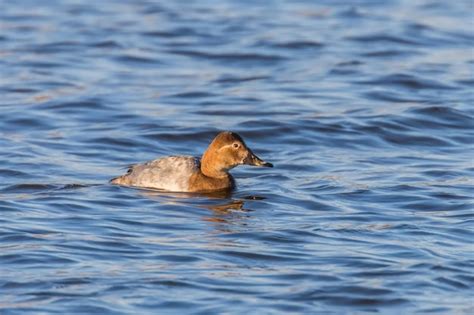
366 110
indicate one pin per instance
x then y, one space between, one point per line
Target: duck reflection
225 209
181 196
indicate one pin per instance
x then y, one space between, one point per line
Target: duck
193 174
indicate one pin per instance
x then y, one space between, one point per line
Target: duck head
227 151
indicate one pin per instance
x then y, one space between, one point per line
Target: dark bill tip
252 159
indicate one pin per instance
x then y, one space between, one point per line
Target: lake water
365 109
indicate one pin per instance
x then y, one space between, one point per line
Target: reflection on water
176 196
365 108
224 208
228 207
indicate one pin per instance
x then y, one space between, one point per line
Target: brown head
225 152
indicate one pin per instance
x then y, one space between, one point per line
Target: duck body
192 174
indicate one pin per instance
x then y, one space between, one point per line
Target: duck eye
236 145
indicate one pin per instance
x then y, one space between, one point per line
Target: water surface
365 110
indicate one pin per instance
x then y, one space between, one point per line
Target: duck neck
210 168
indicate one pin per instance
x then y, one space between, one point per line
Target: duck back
170 173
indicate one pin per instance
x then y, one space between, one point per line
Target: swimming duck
191 174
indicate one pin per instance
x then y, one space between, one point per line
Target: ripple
56 47
389 53
106 44
235 58
297 45
194 95
393 97
237 79
408 81
27 188
136 60
377 38
449 116
177 32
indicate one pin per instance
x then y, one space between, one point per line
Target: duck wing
170 173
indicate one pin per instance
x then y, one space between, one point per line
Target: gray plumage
169 173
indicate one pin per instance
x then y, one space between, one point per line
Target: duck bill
252 159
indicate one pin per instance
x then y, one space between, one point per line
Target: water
365 110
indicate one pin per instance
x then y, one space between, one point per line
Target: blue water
366 110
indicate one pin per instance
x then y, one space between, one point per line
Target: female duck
191 174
